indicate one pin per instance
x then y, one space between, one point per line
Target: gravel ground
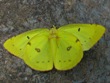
17 16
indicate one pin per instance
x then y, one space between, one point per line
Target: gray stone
107 54
108 67
108 79
28 71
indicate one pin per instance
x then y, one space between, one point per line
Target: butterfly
62 48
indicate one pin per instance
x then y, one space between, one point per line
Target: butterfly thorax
53 33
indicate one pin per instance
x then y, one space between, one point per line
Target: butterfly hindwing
69 51
38 53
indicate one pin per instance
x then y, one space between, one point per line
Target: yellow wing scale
62 48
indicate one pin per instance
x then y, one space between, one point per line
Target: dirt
17 16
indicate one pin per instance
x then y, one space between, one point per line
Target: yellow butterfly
43 49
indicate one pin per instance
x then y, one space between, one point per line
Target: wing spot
13 45
28 37
42 61
77 40
69 60
20 49
48 61
89 38
59 60
29 43
78 29
64 61
37 49
37 62
69 48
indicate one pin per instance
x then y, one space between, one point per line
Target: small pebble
28 71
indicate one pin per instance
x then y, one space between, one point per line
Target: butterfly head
53 32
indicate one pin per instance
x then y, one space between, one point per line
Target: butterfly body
43 49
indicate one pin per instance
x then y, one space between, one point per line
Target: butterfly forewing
16 45
88 34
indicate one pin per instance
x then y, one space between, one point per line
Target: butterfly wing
88 34
69 51
16 44
33 47
38 53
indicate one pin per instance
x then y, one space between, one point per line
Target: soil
17 16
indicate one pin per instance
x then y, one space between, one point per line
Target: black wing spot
69 48
37 62
48 61
69 60
78 29
28 37
20 49
42 61
77 40
89 38
29 43
59 60
64 61
37 49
